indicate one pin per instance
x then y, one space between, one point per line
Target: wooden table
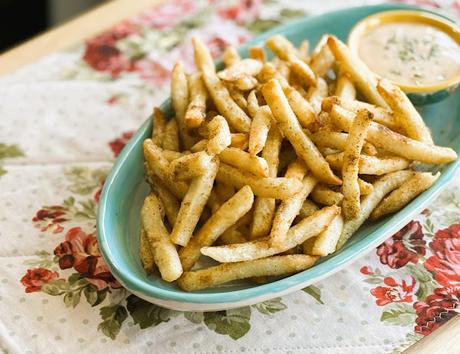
445 340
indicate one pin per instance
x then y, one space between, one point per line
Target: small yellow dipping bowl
421 94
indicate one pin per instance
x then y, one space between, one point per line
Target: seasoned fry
326 241
322 58
241 69
381 115
401 196
179 98
303 51
301 107
344 87
164 252
219 135
170 203
360 74
200 146
253 103
172 155
223 273
239 140
158 165
227 215
398 144
350 167
324 195
159 126
371 165
316 94
259 129
365 188
238 97
171 136
224 191
220 95
196 110
288 210
404 112
296 169
337 140
190 166
292 130
281 47
268 187
303 73
145 253
307 209
257 52
245 161
307 228
382 187
193 204
231 236
230 57
244 83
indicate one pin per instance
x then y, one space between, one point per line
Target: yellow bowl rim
420 16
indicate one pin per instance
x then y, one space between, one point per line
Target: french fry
360 74
199 146
190 166
365 188
230 57
224 191
268 187
326 196
303 51
145 253
172 155
264 208
244 83
159 126
163 250
337 140
259 130
242 68
404 112
302 72
296 169
193 204
326 242
245 161
344 87
382 187
196 109
381 115
179 99
253 103
307 209
281 47
316 94
288 210
171 136
227 215
239 140
238 97
231 236
158 164
350 166
398 144
219 93
301 107
170 203
292 130
223 273
401 196
322 58
219 135
372 165
307 228
257 52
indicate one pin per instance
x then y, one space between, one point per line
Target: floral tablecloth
64 119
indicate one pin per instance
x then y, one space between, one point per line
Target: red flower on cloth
50 217
405 246
437 309
366 270
80 251
394 292
242 12
119 143
151 71
445 261
167 15
35 278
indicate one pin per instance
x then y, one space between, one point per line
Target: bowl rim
139 286
438 21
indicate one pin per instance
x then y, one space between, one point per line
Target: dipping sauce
410 53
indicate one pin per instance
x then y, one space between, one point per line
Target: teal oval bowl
124 190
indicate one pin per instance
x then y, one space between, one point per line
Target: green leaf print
2 171
85 180
45 260
113 317
10 151
314 292
270 306
425 279
400 314
234 323
56 287
146 314
194 317
292 13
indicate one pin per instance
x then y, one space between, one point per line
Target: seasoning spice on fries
243 173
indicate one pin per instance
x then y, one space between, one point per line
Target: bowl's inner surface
128 189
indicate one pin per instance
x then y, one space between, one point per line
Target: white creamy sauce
411 53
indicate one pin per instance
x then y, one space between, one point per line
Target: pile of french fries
269 165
